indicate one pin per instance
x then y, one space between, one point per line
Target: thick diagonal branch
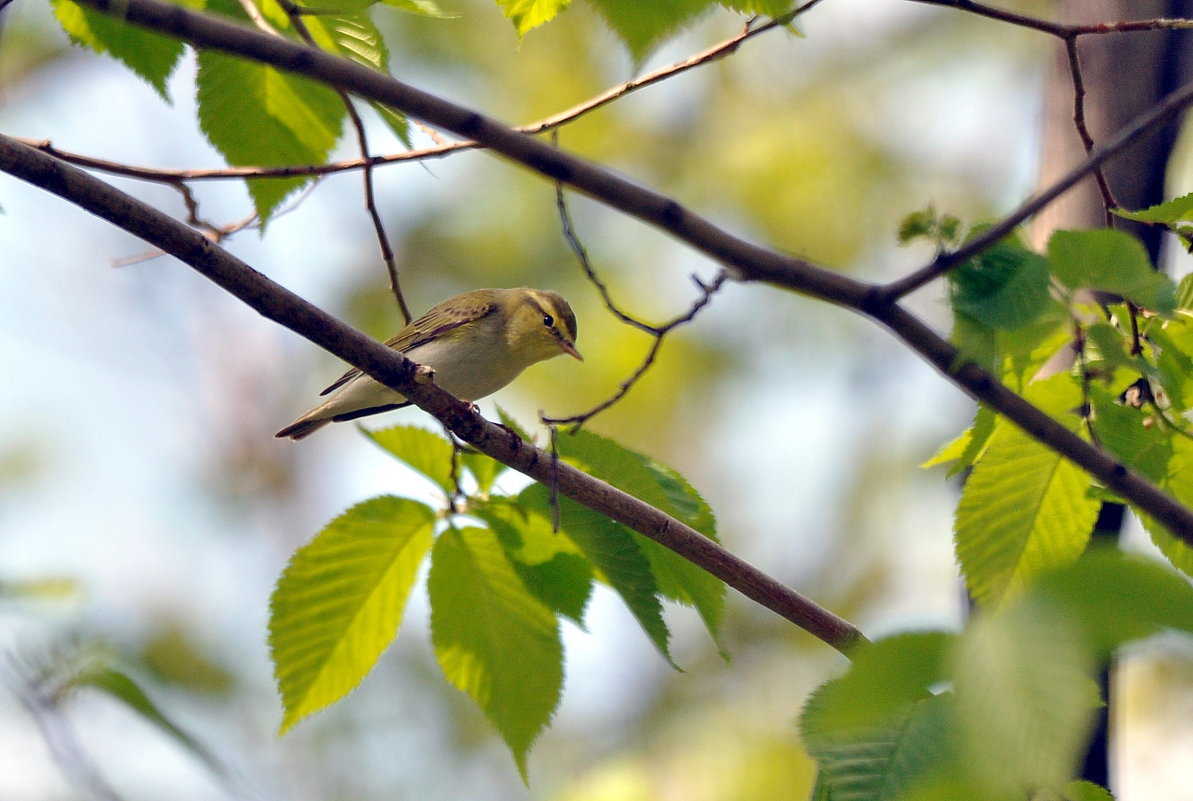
747 260
390 367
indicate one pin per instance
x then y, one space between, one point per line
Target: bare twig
294 12
1158 115
387 251
569 233
657 332
1059 29
1087 140
1095 157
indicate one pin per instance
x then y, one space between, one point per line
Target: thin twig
553 433
455 503
657 332
660 333
362 141
1068 34
441 150
569 233
1059 29
1087 141
387 251
222 232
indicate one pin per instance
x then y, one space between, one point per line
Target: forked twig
1095 156
658 332
362 141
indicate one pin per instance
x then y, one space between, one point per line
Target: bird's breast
469 370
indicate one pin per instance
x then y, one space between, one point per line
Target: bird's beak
570 349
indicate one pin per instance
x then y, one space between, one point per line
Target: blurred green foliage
802 147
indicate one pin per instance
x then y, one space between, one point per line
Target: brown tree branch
395 370
747 261
1059 29
1068 34
1172 105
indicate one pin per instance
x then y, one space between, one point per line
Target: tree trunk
1123 76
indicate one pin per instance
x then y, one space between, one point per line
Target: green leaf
643 26
1025 509
1110 261
423 8
513 425
1174 366
1170 211
494 640
424 451
484 469
353 36
1177 551
1184 293
528 14
1086 791
1004 287
975 341
151 56
767 8
885 679
1128 433
969 447
950 452
1177 481
256 115
897 761
1109 347
1115 598
1026 349
1024 700
339 602
324 6
549 563
640 476
396 121
616 555
665 489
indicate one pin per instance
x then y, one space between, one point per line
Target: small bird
476 343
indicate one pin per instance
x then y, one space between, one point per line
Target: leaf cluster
1128 329
505 570
1000 710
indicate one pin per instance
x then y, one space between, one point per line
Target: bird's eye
548 320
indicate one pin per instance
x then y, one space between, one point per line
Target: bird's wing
449 314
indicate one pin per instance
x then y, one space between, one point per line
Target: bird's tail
302 427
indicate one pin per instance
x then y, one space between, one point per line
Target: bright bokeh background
138 403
